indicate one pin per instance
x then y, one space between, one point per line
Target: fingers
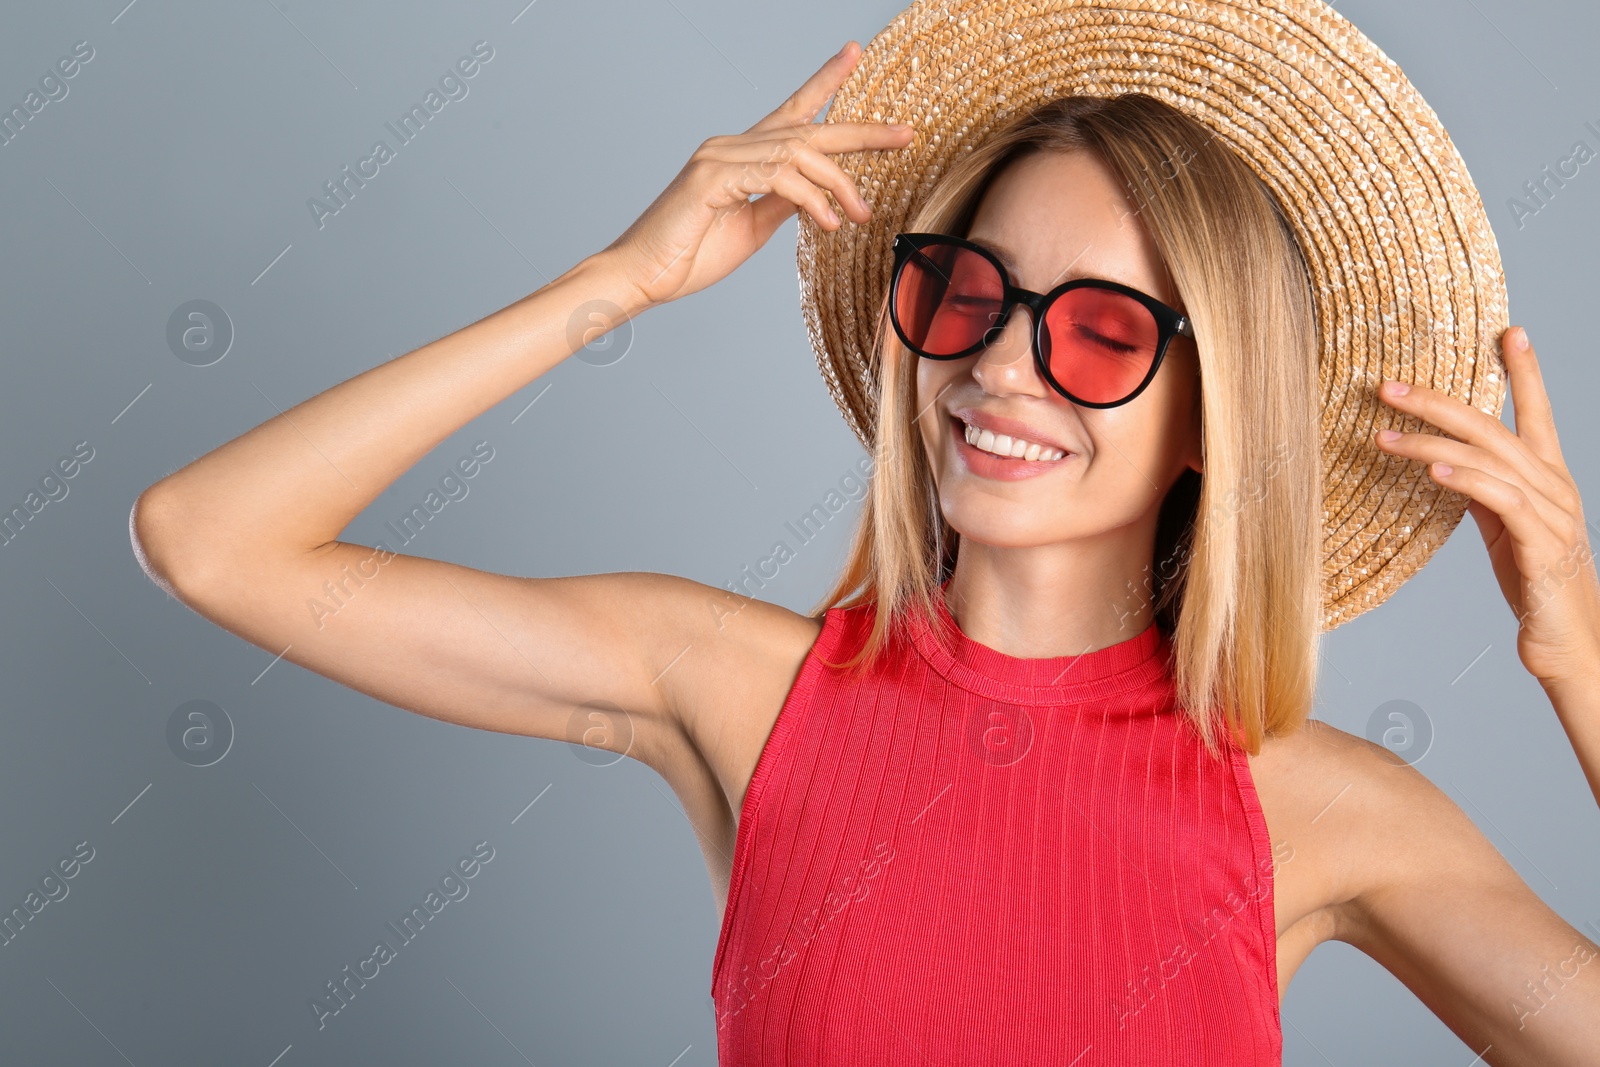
793 185
784 180
819 171
824 172
854 136
773 164
787 153
1530 403
1508 501
1434 451
771 211
1467 423
806 102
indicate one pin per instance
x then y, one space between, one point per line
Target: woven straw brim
1406 273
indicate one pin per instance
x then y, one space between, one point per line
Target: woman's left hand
1526 506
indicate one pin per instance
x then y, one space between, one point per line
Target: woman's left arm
1436 903
1527 508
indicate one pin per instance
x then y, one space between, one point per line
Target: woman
912 889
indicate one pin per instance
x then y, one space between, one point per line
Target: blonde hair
1236 579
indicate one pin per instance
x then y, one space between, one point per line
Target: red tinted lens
1098 343
947 298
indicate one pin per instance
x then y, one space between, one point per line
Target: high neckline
1133 663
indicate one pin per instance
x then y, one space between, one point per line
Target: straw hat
1406 272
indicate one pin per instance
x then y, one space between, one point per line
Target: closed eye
1117 346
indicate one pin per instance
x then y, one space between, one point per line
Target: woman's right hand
703 224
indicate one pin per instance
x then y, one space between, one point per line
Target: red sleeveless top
971 858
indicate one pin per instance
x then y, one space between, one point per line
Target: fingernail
898 126
1443 470
1388 435
842 51
1397 388
1519 337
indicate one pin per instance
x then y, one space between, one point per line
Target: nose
1006 364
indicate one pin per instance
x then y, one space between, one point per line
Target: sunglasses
1098 343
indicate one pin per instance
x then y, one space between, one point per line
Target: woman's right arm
246 535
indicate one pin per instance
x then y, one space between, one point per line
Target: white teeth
1002 445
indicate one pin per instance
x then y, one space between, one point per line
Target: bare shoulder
1413 883
725 686
1356 812
1398 831
1333 802
1395 868
1299 777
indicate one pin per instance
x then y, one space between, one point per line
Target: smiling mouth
1009 449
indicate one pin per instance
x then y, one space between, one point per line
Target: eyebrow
1000 253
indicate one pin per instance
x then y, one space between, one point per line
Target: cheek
933 382
927 384
1141 438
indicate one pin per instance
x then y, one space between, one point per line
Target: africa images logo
342 189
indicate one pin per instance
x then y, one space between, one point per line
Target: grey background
220 899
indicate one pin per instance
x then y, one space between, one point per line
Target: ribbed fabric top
972 858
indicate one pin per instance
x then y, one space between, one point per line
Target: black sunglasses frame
1170 323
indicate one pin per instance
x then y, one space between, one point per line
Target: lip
988 465
998 424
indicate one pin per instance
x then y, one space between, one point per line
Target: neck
1033 605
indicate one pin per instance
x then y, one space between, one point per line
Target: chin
1000 524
